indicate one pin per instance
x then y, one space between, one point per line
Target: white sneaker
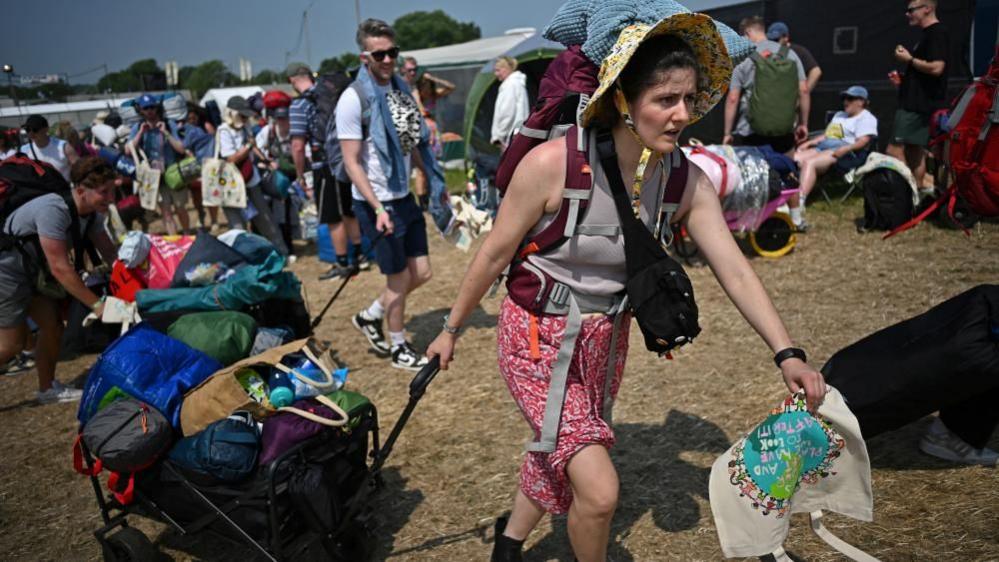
59 393
405 357
940 442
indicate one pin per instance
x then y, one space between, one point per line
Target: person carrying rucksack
49 219
563 328
768 91
312 115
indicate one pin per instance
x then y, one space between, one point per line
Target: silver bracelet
447 328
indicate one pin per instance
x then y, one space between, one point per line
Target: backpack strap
722 164
365 107
575 196
678 169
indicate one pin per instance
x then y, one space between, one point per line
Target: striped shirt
301 114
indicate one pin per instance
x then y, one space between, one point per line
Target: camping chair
835 173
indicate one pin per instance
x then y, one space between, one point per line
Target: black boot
505 549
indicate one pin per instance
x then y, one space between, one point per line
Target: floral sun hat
792 462
610 31
698 31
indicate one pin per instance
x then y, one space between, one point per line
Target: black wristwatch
788 353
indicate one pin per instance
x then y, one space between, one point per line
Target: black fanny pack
660 294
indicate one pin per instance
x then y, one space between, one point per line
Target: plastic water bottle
303 389
253 384
282 392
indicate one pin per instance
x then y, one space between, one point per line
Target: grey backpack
127 436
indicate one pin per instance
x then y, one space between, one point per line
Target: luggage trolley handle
423 378
416 389
354 270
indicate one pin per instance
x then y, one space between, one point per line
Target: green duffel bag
180 174
351 402
225 336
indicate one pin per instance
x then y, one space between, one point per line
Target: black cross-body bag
660 294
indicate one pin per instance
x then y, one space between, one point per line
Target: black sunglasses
380 55
851 98
914 8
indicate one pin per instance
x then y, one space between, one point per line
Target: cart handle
424 377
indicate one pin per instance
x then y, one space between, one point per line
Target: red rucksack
562 95
971 150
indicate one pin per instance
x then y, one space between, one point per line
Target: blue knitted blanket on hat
596 24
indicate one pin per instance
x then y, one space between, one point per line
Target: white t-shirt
349 127
850 129
54 153
230 141
8 154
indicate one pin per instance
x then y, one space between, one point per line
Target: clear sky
73 36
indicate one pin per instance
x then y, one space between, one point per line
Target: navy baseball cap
777 30
146 101
856 92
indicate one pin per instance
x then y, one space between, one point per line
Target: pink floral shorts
543 476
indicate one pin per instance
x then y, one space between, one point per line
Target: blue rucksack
224 452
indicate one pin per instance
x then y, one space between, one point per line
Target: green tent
533 56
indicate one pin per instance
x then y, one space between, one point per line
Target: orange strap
535 343
78 459
529 249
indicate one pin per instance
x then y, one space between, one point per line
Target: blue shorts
408 238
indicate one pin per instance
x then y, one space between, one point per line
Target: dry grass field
455 466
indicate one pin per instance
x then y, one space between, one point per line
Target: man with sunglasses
923 87
380 130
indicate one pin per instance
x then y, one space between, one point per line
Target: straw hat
698 31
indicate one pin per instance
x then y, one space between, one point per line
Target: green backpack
225 336
773 104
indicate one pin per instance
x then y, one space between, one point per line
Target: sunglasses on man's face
851 98
912 10
379 56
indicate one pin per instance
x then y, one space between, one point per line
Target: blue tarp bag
148 366
224 452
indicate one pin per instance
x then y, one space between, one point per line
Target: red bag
971 149
246 169
570 78
164 257
124 282
276 98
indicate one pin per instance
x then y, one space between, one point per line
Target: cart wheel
128 544
357 543
775 236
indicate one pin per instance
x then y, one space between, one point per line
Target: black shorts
332 197
782 144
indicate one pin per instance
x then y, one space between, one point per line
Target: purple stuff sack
292 425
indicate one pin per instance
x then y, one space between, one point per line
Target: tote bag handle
319 419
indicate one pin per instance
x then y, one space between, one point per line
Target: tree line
415 30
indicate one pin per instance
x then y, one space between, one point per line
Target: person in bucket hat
655 80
